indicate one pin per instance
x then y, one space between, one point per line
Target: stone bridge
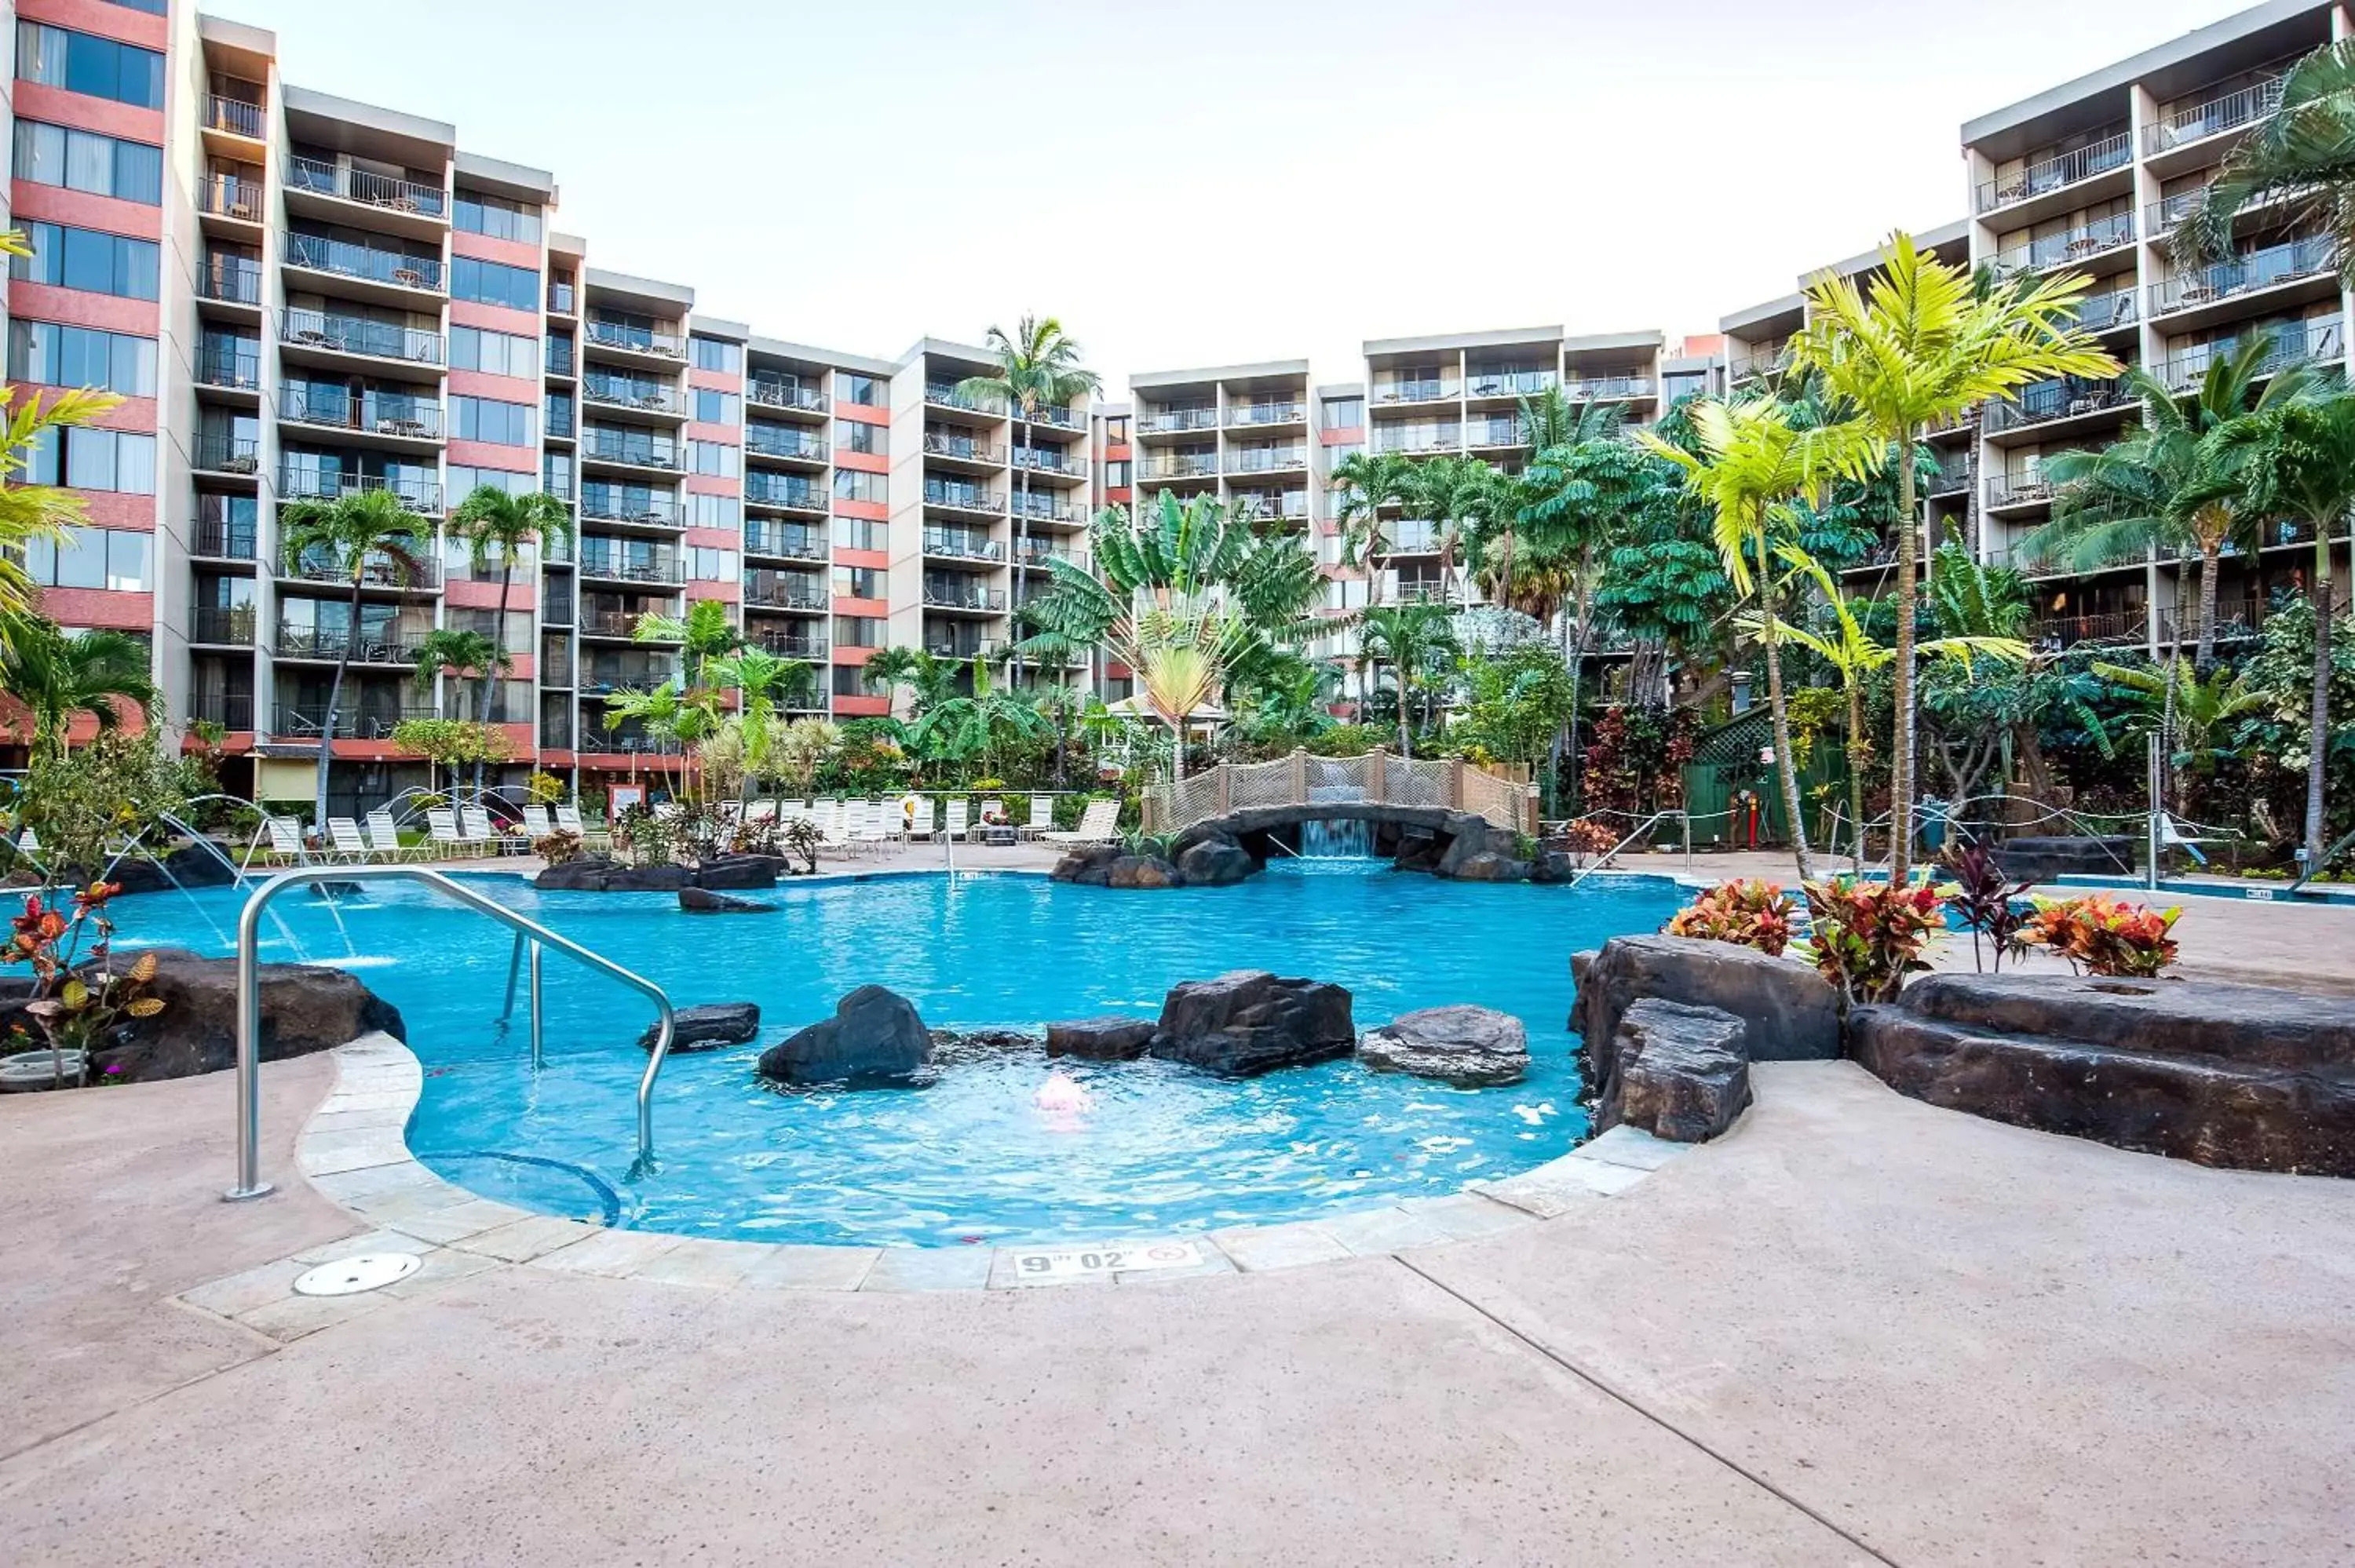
1417 792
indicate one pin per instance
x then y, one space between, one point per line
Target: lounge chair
345 843
878 826
1042 817
286 839
958 811
1098 825
383 837
441 827
535 823
923 812
28 842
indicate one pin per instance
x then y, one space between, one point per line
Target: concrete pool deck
1859 1330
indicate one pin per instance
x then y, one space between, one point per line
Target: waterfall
1336 841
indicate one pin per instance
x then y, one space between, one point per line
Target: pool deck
1859 1330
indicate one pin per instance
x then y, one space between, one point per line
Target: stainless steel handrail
1644 827
249 1183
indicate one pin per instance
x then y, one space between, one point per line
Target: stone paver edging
353 1150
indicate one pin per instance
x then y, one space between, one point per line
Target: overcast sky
1214 182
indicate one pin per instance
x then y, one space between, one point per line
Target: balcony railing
1953 480
352 334
1421 591
237 368
1250 414
2314 257
784 395
632 738
557 414
222 626
1607 389
963 497
776 490
954 595
2060 400
791 544
2057 174
2057 632
633 340
233 196
1050 460
2307 343
558 611
1413 439
318 253
375 572
1509 383
2100 313
964 448
1286 504
384 645
948 395
2071 245
2198 121
1038 552
417 419
1493 433
233 115
785 645
1045 509
227 455
603 445
612 623
1766 362
1179 465
233 280
962 546
556 734
560 359
601 505
1266 459
648 396
620 566
324 178
809 595
788 441
563 299
1161 421
2018 489
232 710
372 722
220 538
1058 418
423 496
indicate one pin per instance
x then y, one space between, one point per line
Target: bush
1748 912
1348 740
2100 935
1986 902
1865 938
800 836
558 848
547 789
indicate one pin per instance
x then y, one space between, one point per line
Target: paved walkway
1857 1331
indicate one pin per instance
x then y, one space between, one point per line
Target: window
858 582
1115 430
153 8
715 457
866 391
859 632
1344 413
85 161
465 481
1116 474
87 259
487 420
494 283
714 512
860 534
494 353
718 353
113 558
80 62
496 217
851 681
556 475
47 354
858 436
851 485
710 407
711 565
85 459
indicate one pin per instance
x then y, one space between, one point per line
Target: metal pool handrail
1642 828
249 1183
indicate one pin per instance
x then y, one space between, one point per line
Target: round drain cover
350 1275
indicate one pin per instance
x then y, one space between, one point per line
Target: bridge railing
1376 779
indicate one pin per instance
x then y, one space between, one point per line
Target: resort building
300 297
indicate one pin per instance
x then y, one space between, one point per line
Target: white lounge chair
442 829
879 825
344 841
535 821
959 811
286 839
383 837
1042 817
1098 825
923 814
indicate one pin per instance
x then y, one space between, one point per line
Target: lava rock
190 866
1789 1012
1112 1038
707 1026
1215 862
1141 872
874 1037
1420 851
699 901
1478 851
1680 1073
1487 867
305 1008
585 873
1090 865
737 872
979 1045
1250 1022
1471 1047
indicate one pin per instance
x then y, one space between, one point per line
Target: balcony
353 335
1266 505
1414 439
1478 383
557 415
559 360
629 739
2315 257
628 567
2055 632
948 395
2058 174
598 444
787 645
958 545
1421 591
786 395
1417 389
235 117
2198 121
1168 421
602 503
2306 342
1766 362
2066 398
1036 552
236 368
1266 459
232 196
376 413
642 396
1487 435
957 596
556 611
219 538
380 646
317 176
957 445
789 494
1954 479
1058 419
808 595
619 337
377 572
785 542
227 455
372 720
961 497
2029 489
2069 246
229 280
369 263
556 732
1607 389
422 496
2106 312
1179 465
232 710
1048 509
1245 416
222 626
1051 460
1410 536
621 624
787 443
563 299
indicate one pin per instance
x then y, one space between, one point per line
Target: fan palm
1922 344
1753 464
494 523
1038 368
57 676
977 724
2301 159
1409 638
360 531
2175 484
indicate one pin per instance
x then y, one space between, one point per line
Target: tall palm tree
468 655
1411 637
2301 463
57 676
976 724
1363 483
359 532
705 633
1461 497
1752 465
1921 343
1038 368
2175 483
495 523
2300 159
1575 491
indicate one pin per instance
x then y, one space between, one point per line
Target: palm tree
688 715
976 724
57 676
494 523
1922 344
2175 483
1753 464
706 634
2187 710
929 678
764 683
2300 159
469 655
358 532
1460 496
1038 368
2301 463
1411 637
1855 654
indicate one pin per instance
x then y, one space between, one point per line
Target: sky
1214 182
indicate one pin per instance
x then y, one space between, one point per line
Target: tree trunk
498 652
1021 544
1900 750
2211 552
1857 752
2318 745
335 697
1784 762
1575 647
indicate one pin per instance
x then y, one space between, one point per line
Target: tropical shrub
78 1010
800 836
1865 938
1987 902
558 848
1347 740
546 787
1588 837
79 803
2100 935
1747 911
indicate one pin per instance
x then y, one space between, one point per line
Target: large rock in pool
1112 1038
1215 862
1481 852
1089 865
1680 1073
1141 871
2236 1075
699 901
304 1008
738 872
1250 1022
709 1026
1470 1047
1788 1011
874 1037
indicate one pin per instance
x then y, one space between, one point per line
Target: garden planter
41 1069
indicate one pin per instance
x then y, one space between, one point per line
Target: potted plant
80 1010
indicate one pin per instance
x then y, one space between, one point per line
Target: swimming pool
970 1157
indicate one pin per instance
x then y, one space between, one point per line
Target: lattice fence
1303 780
1499 799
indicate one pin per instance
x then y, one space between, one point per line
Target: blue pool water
970 1157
